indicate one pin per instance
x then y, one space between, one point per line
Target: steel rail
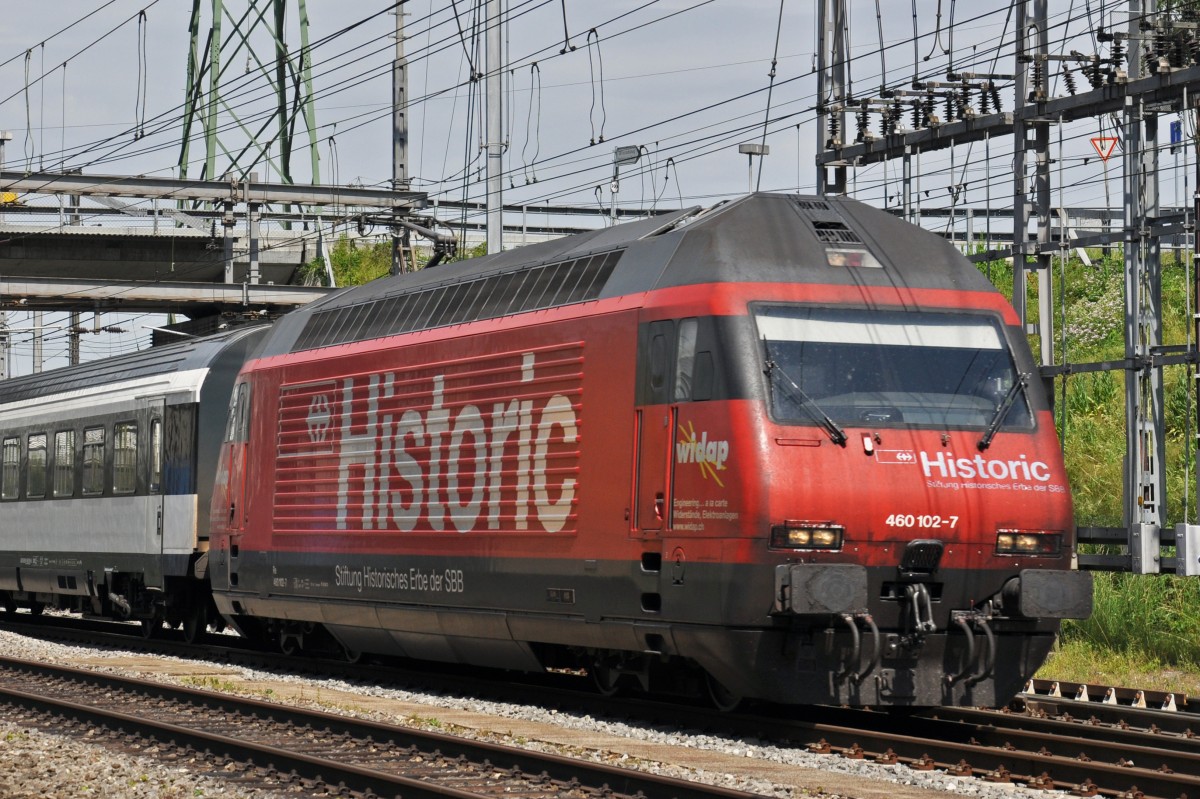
1082 746
508 765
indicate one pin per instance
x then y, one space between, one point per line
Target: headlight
1027 542
807 535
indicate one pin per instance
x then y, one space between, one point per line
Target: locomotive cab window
238 427
685 359
882 368
35 477
10 469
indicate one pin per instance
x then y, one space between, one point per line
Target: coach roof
196 353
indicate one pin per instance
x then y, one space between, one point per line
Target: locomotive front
921 540
940 486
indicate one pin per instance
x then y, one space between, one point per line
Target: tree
353 263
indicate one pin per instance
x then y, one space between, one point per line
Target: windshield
863 367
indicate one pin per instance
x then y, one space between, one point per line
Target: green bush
1154 618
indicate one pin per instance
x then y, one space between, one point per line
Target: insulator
927 109
996 98
862 120
1181 48
917 120
1094 73
1117 53
1193 50
1069 79
949 107
1151 60
985 102
964 102
834 125
1162 43
1038 81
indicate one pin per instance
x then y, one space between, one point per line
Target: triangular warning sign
1104 145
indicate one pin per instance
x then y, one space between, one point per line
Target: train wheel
150 627
606 679
194 624
36 608
10 606
721 697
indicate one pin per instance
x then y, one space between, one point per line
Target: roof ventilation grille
835 233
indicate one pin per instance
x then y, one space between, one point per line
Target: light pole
5 136
630 154
750 150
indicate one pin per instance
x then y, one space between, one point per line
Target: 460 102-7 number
911 521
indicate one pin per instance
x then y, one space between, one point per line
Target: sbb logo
319 416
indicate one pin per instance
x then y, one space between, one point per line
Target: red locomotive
790 446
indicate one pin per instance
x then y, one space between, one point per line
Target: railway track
1087 747
315 752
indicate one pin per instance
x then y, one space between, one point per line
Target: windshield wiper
832 428
1002 410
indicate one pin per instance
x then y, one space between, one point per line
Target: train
788 448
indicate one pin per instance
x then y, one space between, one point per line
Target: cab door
228 518
655 421
237 433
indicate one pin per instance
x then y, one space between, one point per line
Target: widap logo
710 455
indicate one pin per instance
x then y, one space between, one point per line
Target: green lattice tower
242 135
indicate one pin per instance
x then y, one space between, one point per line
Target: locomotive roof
195 353
759 238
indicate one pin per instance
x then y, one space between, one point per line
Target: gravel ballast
39 765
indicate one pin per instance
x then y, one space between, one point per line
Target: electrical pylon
226 107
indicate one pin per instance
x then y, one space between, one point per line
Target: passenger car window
93 461
35 479
64 463
156 456
10 470
125 457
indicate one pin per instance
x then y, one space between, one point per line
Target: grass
1080 661
1145 631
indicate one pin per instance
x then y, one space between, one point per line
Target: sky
685 81
658 60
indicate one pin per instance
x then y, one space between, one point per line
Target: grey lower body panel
721 619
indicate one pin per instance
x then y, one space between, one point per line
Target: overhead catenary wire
770 90
139 108
929 173
533 122
598 68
